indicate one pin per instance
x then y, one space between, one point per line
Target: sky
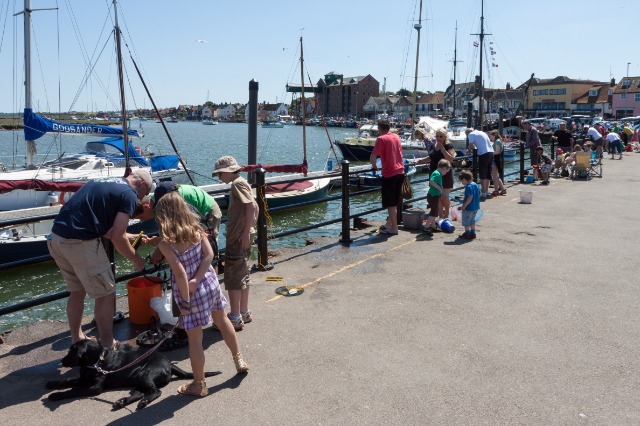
192 51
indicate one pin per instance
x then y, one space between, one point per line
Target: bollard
263 253
346 211
521 162
474 164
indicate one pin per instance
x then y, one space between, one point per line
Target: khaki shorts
84 265
236 267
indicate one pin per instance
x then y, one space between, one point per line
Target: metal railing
263 236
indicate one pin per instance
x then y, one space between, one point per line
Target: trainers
238 324
246 317
428 231
241 365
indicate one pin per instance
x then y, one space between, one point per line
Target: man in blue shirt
101 208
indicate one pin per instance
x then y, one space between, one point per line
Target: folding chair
595 165
582 166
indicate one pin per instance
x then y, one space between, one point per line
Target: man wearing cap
532 141
200 202
596 137
100 209
242 215
563 137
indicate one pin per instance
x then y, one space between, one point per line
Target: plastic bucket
447 226
529 179
412 218
140 291
526 196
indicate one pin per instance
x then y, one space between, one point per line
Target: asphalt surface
534 322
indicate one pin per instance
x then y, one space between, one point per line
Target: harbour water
200 146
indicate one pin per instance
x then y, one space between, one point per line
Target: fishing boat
360 147
273 124
374 178
209 122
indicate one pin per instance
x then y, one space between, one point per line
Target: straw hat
226 164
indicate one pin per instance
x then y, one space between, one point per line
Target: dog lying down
146 377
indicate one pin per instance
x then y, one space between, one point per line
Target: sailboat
47 183
35 187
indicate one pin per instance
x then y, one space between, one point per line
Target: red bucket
140 292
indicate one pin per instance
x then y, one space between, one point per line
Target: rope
263 200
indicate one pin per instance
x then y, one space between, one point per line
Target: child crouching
470 205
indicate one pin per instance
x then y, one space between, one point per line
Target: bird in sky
202 41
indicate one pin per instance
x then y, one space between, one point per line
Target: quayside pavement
534 322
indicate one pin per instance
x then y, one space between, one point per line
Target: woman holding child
442 150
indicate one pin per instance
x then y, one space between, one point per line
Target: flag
475 44
494 65
493 52
490 42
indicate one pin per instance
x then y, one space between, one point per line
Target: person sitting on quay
545 164
570 160
99 210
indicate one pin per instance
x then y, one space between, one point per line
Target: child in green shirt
433 195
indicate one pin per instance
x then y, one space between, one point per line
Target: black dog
147 376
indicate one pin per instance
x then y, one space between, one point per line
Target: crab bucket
412 218
140 291
526 197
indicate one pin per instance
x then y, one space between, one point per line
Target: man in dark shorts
389 149
564 138
482 143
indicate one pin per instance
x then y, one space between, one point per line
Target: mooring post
521 162
263 253
346 211
474 164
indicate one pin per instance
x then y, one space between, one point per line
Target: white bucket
526 196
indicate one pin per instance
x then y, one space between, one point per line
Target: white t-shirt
612 137
481 141
594 133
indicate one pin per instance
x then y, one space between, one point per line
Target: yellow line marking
345 268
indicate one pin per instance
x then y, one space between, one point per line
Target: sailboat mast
30 146
417 27
122 96
481 97
302 103
455 63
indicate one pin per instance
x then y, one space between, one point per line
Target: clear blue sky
191 50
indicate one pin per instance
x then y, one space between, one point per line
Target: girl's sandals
195 388
503 192
494 193
241 365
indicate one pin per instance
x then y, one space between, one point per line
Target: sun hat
226 164
162 189
559 151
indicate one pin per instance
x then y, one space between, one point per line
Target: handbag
406 192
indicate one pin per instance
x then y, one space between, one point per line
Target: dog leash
97 367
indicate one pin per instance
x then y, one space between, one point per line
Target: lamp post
357 105
626 104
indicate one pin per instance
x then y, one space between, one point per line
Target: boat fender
61 199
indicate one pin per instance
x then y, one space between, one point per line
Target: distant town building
555 96
345 96
268 111
456 103
595 101
431 104
379 105
625 100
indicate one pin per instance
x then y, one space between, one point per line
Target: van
537 122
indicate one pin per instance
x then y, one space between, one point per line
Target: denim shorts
469 217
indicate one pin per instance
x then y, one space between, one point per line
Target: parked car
537 122
553 124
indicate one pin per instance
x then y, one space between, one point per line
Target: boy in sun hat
242 214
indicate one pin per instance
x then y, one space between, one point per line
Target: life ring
61 198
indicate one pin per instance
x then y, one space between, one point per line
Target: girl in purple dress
195 285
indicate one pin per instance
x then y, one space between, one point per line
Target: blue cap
162 189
